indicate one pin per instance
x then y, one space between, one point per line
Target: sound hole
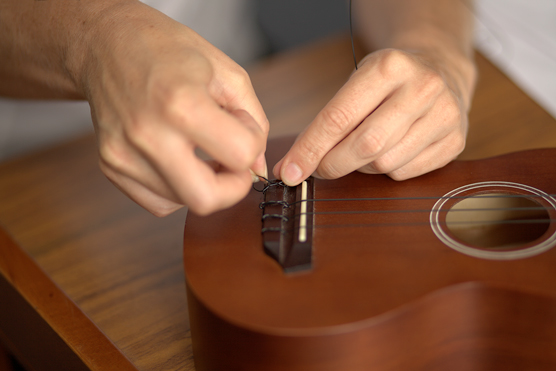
497 221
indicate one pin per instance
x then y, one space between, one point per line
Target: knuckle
370 144
203 204
237 87
337 122
178 102
136 129
245 150
162 211
111 154
139 134
399 175
265 126
244 156
432 86
309 152
327 170
453 111
207 200
384 164
450 114
457 144
394 62
242 77
201 210
175 105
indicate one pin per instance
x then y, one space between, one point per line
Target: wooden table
89 280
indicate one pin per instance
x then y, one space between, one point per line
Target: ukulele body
384 291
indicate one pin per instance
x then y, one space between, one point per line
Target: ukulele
453 270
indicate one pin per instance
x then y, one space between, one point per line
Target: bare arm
41 43
404 111
440 29
157 90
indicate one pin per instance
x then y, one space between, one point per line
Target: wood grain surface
117 271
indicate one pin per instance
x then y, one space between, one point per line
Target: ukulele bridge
287 224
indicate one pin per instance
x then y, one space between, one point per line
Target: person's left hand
400 114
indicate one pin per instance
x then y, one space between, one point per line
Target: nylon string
406 211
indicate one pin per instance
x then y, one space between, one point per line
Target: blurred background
519 36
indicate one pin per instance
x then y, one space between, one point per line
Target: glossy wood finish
123 268
379 281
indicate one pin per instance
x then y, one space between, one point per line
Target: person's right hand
159 93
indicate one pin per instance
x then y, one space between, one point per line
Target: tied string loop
269 184
284 204
275 216
272 229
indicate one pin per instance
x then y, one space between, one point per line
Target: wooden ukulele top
365 265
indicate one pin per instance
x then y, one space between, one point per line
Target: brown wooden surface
122 268
5 360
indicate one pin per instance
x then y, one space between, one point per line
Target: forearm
44 45
440 29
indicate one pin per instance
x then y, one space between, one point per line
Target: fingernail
276 169
265 169
292 174
254 177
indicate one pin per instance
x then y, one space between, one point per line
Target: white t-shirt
519 36
230 25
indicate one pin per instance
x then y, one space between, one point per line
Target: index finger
360 96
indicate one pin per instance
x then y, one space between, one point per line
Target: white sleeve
519 36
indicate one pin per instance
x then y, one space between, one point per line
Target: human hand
400 113
159 93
